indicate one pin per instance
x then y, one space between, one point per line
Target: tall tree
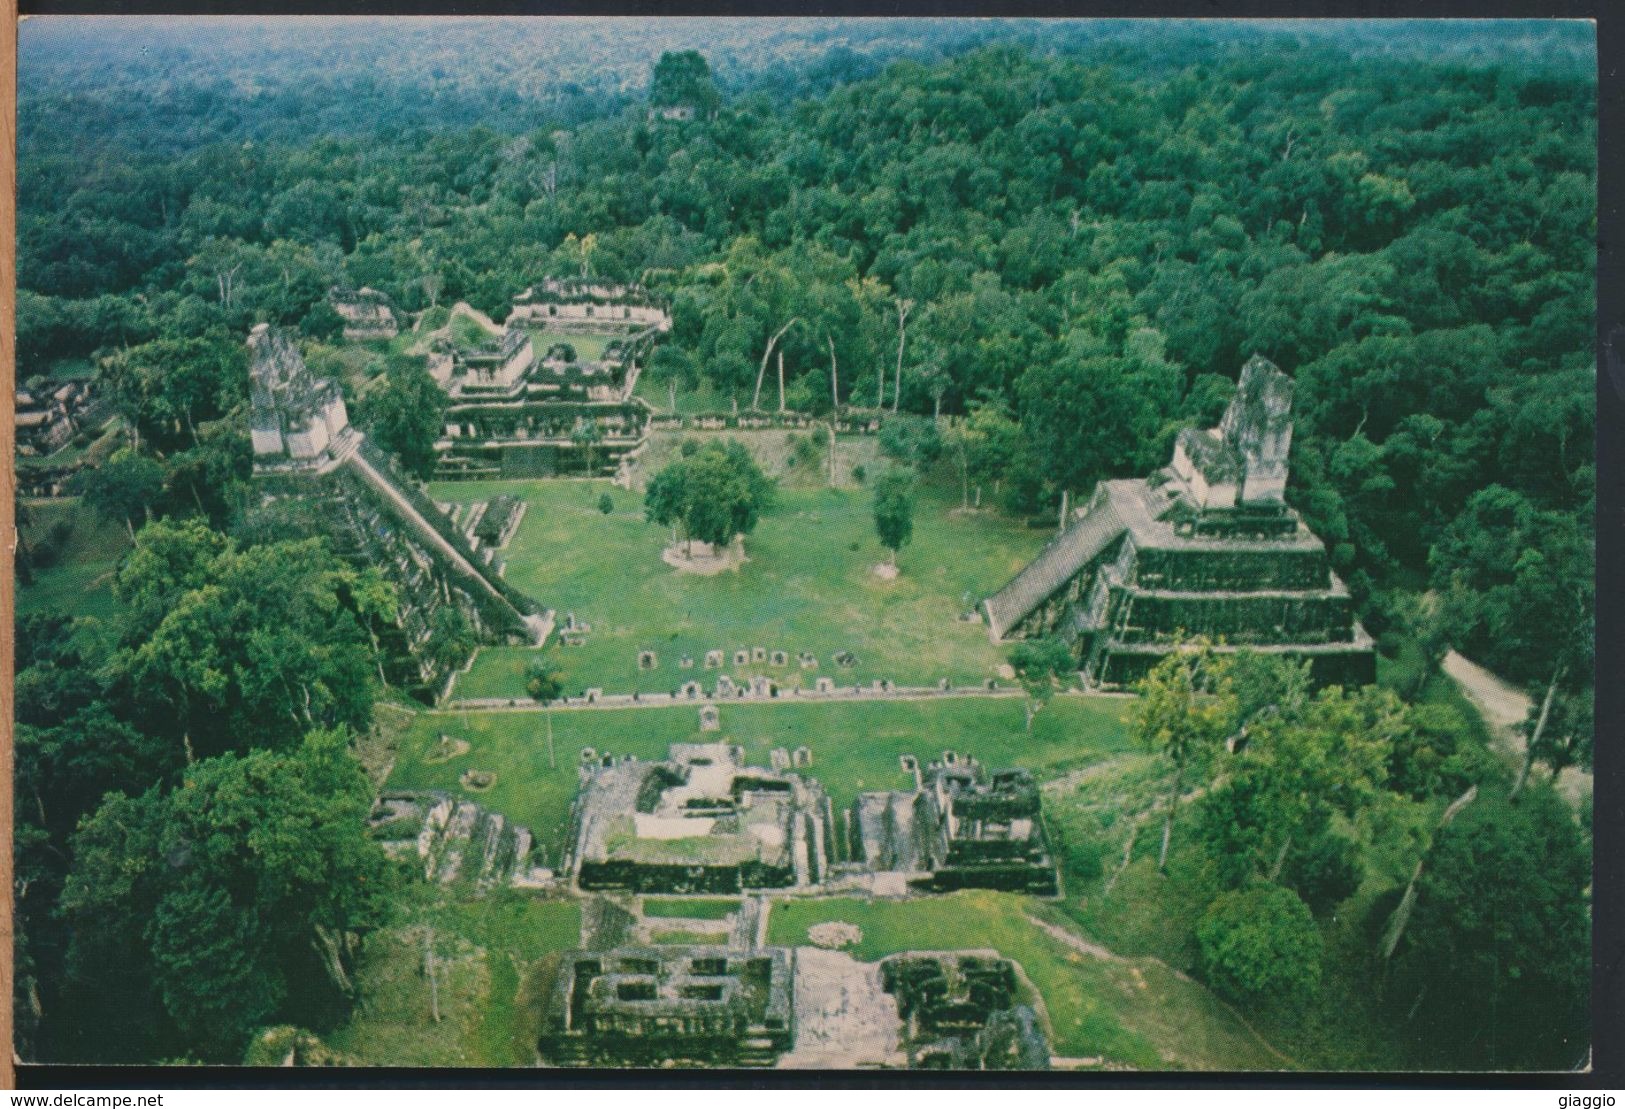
1260 943
225 649
125 488
406 415
544 682
894 510
1185 709
1041 665
168 387
1292 770
248 884
713 492
1495 963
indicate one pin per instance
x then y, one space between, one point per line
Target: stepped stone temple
1205 546
306 452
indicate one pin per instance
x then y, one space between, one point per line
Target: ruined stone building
366 314
308 458
454 840
515 411
47 420
688 1004
961 1012
566 304
698 821
297 420
1206 546
960 827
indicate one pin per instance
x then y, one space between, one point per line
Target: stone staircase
1064 558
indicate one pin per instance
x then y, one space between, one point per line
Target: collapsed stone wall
452 840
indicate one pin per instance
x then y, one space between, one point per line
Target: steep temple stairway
1067 555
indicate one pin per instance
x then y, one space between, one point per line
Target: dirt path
1504 708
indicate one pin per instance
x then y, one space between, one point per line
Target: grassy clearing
1127 1011
81 581
807 586
588 348
483 949
690 908
704 397
855 745
468 333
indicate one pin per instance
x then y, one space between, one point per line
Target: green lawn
81 581
682 938
1133 1011
703 398
483 949
468 334
588 348
690 908
807 586
855 745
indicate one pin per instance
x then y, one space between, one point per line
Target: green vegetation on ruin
483 949
588 347
679 937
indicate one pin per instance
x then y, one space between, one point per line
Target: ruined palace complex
702 821
960 826
306 453
679 862
1206 546
518 411
759 1006
698 821
693 1004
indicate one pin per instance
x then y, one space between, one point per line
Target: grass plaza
807 587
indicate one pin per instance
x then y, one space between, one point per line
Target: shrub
1259 943
804 451
1325 872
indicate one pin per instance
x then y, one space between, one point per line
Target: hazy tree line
1043 266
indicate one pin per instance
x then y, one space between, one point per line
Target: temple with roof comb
1206 546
